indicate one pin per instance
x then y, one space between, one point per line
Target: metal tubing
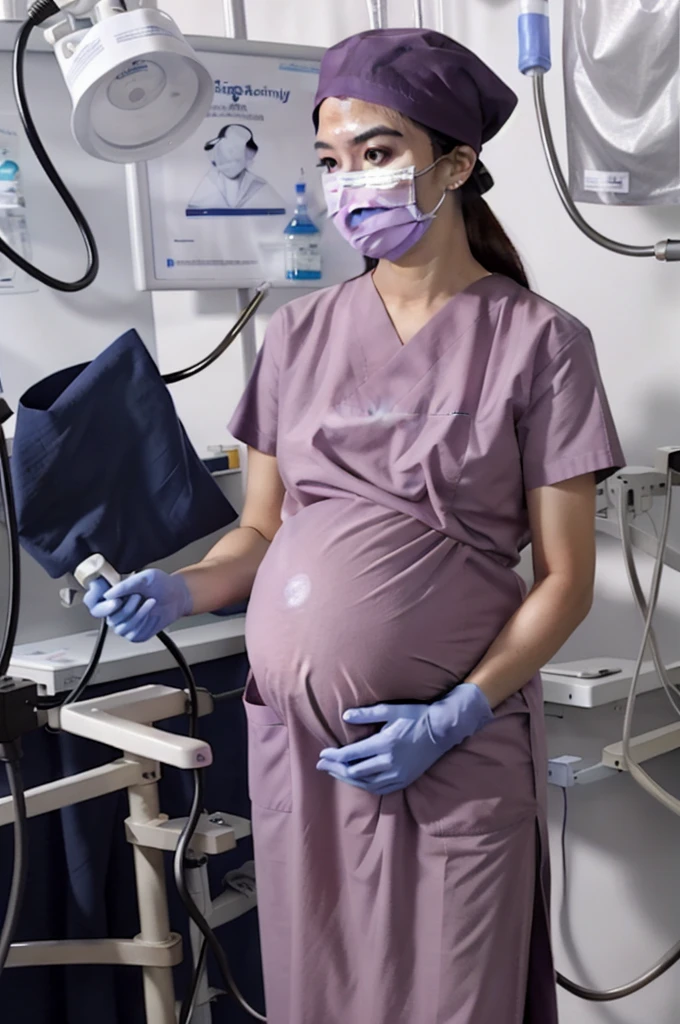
198 885
377 13
235 19
159 992
662 251
248 337
75 789
117 952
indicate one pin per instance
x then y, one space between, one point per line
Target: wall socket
667 458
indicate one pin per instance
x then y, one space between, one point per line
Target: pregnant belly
355 604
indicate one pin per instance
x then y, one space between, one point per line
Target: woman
410 432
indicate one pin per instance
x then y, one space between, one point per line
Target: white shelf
593 693
58 664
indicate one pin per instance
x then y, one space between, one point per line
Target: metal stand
237 28
159 992
238 896
124 720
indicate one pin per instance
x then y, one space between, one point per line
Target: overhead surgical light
137 87
138 90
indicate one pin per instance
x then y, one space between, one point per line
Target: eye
376 156
328 163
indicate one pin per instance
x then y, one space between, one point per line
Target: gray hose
667 250
610 995
673 955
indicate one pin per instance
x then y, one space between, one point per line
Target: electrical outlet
641 483
667 458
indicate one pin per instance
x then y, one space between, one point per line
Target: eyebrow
371 133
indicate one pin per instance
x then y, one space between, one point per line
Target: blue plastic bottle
303 241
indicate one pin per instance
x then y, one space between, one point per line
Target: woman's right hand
141 605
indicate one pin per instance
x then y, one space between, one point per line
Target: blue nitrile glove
141 605
413 738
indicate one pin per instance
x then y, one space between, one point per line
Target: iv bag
622 94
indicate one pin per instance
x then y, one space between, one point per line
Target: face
354 136
231 155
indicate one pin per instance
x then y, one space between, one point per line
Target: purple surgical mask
376 211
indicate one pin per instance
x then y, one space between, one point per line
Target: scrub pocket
484 786
269 775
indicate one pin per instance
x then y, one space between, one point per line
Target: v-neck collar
432 323
381 361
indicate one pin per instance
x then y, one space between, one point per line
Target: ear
462 162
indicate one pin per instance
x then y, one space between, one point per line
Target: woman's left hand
413 738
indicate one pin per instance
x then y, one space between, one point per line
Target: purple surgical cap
425 76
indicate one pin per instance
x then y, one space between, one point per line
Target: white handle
94 567
123 721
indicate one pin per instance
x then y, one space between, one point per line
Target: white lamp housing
138 89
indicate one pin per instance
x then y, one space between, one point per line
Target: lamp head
138 89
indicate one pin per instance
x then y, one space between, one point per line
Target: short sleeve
255 421
567 429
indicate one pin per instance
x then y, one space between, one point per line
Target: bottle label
303 257
13 226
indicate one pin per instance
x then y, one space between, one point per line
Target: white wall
190 324
624 899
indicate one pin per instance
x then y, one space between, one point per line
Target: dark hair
489 244
250 144
487 239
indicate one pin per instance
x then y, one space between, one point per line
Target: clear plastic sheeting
622 92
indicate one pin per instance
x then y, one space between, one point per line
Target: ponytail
488 242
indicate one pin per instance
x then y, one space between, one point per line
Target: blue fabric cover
101 464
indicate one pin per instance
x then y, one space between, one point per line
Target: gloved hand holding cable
147 602
142 605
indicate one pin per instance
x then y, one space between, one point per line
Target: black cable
193 911
181 851
183 666
7 494
10 753
191 996
38 13
229 695
92 666
189 1001
229 338
48 703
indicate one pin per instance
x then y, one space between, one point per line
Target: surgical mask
376 210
